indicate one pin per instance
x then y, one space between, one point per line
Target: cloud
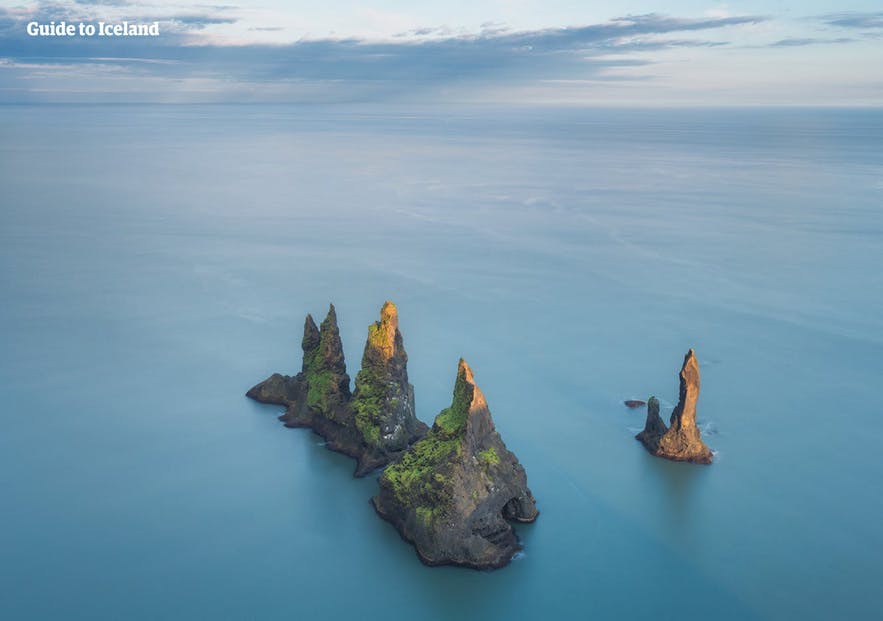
809 41
192 21
866 21
429 59
103 2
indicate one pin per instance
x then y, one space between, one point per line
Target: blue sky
630 53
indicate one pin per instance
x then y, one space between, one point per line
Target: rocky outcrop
383 402
323 383
454 492
634 403
654 428
277 389
287 390
681 441
319 396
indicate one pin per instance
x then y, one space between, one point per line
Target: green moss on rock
319 386
383 399
452 420
416 479
489 457
368 405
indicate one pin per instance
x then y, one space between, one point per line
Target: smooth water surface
156 261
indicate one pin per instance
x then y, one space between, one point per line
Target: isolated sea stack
383 402
454 492
682 440
319 396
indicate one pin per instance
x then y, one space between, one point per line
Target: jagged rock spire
375 424
310 343
654 428
684 415
682 440
383 400
453 491
469 413
384 339
330 345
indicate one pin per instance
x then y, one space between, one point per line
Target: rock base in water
681 441
454 493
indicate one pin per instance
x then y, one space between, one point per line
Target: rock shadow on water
677 486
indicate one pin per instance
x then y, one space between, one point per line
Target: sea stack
383 402
454 492
682 440
287 390
375 425
324 383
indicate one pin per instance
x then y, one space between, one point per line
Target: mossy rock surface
373 426
453 492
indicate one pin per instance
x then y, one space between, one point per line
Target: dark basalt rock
634 403
383 402
654 428
319 396
323 384
682 440
454 492
277 389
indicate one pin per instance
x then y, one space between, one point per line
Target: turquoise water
157 261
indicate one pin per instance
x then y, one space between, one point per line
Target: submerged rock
634 403
319 396
682 440
383 402
454 492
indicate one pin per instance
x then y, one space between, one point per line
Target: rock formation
319 396
383 402
453 493
654 428
634 403
682 440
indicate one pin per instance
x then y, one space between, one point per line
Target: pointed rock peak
468 403
684 413
330 318
383 335
653 406
464 371
330 349
654 428
310 344
329 325
311 335
470 389
389 313
691 365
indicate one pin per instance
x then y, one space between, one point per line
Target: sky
545 52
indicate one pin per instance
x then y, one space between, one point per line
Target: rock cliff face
383 402
682 440
453 493
319 396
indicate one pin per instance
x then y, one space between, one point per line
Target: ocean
157 261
